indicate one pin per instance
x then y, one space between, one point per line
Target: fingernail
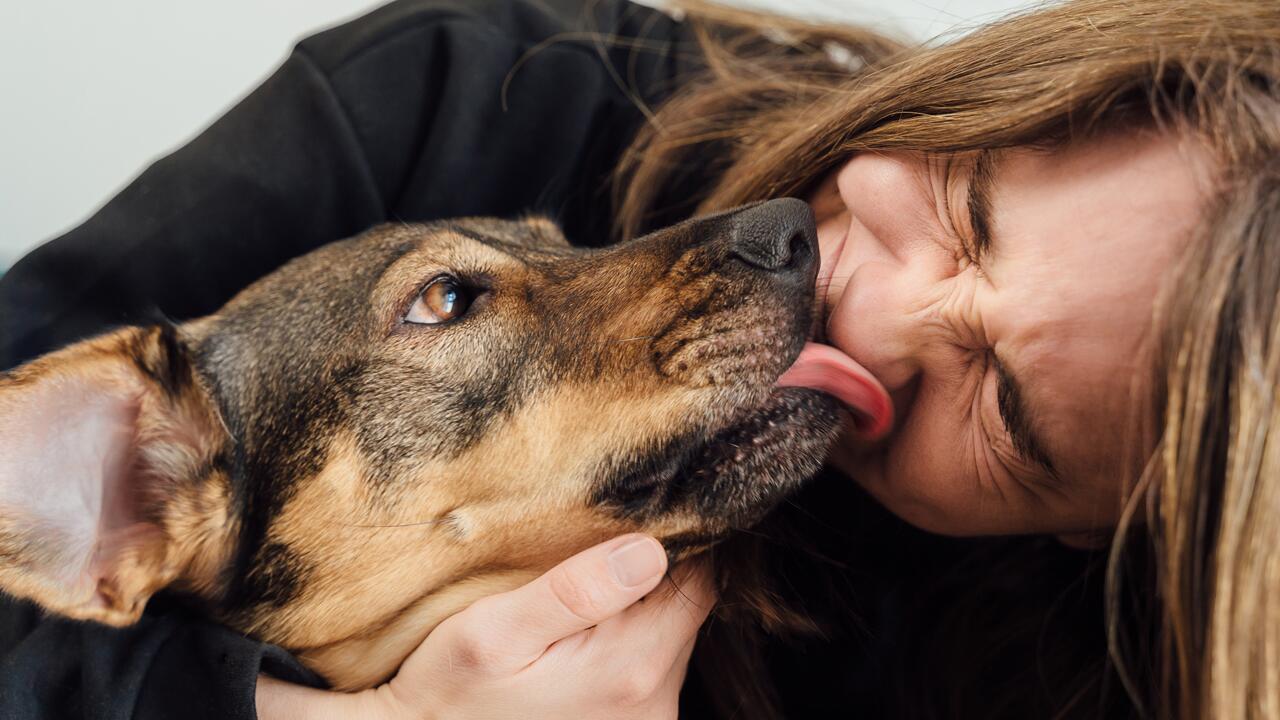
636 562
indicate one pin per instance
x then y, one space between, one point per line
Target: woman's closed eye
1015 417
967 198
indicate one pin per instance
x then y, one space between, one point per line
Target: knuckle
638 686
472 655
581 598
472 647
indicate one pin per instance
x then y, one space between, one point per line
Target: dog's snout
776 236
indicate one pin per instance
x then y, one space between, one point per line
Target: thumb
577 594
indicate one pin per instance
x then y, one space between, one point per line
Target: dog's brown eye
443 300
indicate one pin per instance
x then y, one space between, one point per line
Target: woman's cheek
940 471
919 475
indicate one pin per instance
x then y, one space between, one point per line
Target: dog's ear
106 450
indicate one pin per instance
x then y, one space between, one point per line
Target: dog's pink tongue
822 367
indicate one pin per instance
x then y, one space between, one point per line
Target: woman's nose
875 323
890 265
887 196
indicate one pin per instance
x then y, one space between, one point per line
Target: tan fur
371 658
395 508
474 526
182 533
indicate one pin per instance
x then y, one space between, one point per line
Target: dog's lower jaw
374 655
731 479
731 482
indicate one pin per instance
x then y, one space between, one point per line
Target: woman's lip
825 368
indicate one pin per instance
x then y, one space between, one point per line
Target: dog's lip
827 369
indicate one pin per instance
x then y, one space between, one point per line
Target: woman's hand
573 643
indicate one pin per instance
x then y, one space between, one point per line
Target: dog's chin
729 478
736 476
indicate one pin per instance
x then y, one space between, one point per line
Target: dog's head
382 431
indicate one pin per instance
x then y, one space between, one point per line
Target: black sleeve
169 665
422 109
278 174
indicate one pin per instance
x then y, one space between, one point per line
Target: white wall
91 92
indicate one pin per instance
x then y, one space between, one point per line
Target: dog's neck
372 657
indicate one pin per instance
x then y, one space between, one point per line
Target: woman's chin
864 464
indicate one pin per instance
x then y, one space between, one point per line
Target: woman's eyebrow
979 201
1017 420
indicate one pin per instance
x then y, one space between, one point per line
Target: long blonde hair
779 106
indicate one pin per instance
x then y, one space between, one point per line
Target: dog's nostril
775 236
799 248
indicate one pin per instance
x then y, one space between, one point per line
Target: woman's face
1005 307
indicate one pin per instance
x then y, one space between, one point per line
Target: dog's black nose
776 235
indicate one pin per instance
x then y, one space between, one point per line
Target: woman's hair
1195 631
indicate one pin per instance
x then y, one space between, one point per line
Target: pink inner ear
65 477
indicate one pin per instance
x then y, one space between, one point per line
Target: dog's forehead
525 238
346 294
479 251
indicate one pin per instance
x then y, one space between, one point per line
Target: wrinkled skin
1081 239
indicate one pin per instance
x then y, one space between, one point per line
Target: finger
680 668
669 691
660 628
596 584
632 679
680 605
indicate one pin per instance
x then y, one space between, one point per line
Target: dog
380 432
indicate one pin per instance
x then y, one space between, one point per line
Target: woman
1052 247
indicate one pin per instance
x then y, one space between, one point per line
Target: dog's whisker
680 591
677 589
754 533
630 339
421 523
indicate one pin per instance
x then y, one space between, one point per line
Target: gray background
93 91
